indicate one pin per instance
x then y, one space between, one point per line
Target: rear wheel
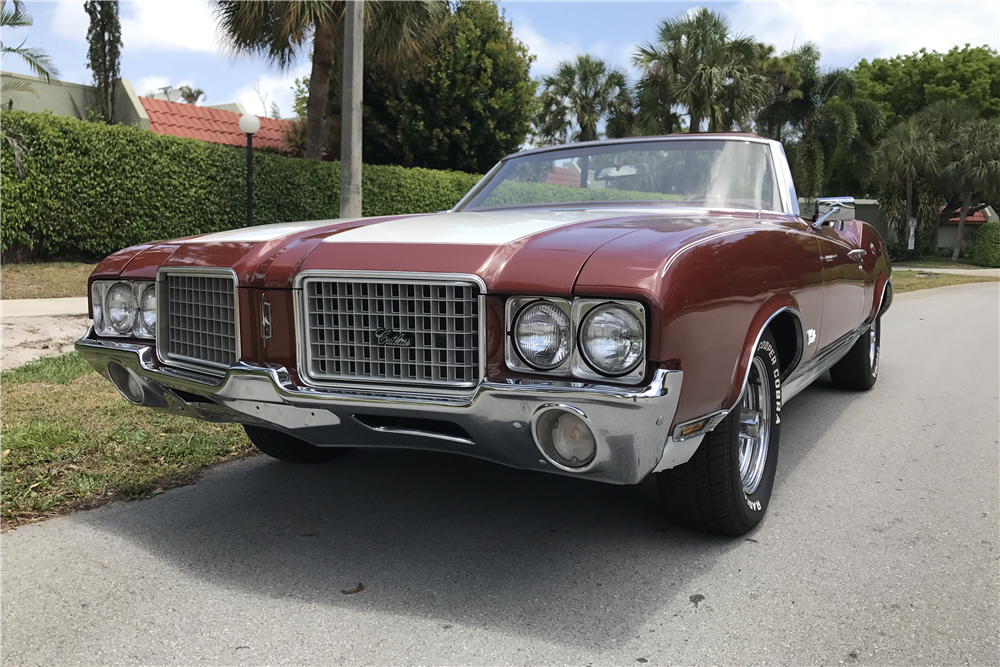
285 447
858 369
726 486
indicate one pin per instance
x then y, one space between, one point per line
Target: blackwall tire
713 491
289 448
858 370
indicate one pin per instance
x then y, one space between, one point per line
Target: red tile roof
977 218
562 176
212 125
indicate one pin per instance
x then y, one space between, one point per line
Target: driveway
880 546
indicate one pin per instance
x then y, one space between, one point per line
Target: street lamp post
249 124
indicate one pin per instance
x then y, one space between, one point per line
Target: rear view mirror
607 173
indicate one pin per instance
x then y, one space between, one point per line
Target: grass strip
936 262
907 281
62 369
68 441
45 280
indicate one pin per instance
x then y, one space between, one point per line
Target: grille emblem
265 321
391 338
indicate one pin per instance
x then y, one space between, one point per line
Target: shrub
91 189
987 249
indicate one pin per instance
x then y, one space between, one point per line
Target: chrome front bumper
631 426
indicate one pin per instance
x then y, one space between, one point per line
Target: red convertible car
607 310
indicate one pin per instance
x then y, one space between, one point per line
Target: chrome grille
199 320
392 331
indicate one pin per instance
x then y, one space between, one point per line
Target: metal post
249 180
350 110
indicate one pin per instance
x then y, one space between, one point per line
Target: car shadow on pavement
447 538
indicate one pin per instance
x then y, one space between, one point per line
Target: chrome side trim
398 276
162 322
822 362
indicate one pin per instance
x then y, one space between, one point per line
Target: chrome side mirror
829 206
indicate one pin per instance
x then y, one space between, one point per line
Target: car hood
524 250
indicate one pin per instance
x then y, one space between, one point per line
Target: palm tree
908 153
579 95
191 95
37 60
397 32
696 62
816 114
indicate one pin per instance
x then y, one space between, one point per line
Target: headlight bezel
99 290
576 365
590 368
515 359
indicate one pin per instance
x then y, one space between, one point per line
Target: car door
843 278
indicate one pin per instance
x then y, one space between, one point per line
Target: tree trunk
319 86
695 123
350 110
966 202
909 208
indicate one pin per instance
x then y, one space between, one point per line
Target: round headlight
120 308
542 335
147 309
611 338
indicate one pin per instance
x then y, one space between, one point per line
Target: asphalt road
880 547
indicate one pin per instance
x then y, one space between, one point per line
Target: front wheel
858 370
285 447
726 486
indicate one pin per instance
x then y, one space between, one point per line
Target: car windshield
704 173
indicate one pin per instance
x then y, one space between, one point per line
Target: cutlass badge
391 338
265 321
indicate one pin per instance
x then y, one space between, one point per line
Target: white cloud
177 25
274 88
551 53
70 21
148 25
848 31
149 85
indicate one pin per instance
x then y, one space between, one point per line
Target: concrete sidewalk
38 307
985 273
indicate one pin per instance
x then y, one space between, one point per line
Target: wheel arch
781 316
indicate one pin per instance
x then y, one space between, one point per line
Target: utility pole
350 109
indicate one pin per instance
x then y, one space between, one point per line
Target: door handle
856 255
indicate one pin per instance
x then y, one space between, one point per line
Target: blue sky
173 41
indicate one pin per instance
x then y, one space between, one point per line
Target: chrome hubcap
755 426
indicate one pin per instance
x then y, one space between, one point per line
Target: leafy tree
465 105
191 95
698 63
104 55
904 85
396 32
37 60
969 158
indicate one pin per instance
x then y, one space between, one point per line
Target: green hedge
513 193
91 189
987 249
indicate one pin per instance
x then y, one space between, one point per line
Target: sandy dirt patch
23 339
